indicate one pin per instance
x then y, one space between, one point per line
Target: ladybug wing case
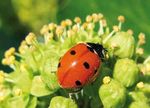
77 67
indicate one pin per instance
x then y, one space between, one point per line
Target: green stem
108 37
146 60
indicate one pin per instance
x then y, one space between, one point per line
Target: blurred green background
18 17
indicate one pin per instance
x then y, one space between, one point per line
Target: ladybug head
100 50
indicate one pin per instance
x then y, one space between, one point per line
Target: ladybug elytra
79 65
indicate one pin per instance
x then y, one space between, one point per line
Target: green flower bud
112 94
126 72
145 88
138 96
122 44
62 102
138 104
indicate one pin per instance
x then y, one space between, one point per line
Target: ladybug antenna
100 50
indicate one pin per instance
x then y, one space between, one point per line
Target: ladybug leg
71 95
77 90
74 92
82 92
76 95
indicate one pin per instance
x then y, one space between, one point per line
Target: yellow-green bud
88 18
62 102
106 80
23 42
90 26
51 26
140 51
9 60
95 17
138 104
10 52
4 93
75 28
63 24
30 38
139 99
115 28
144 87
121 18
22 48
84 25
141 39
23 67
2 75
104 22
68 22
126 71
17 92
125 44
147 67
129 31
59 30
137 96
44 29
70 33
140 85
100 16
4 61
77 20
39 88
113 94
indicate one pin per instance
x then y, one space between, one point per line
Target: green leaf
39 88
62 102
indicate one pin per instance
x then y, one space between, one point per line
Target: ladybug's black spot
91 49
78 83
86 65
58 65
72 52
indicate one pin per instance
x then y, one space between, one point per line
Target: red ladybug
79 65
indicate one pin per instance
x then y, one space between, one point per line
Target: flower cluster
123 80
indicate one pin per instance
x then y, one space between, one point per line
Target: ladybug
79 65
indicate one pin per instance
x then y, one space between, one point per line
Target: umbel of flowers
123 81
